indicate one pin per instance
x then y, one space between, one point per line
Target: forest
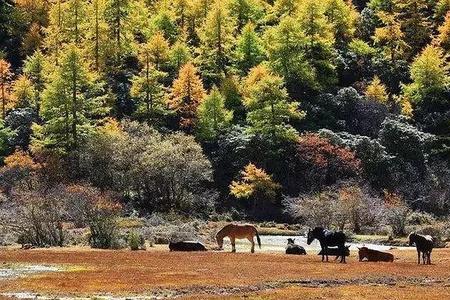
332 113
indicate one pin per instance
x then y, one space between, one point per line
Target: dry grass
123 272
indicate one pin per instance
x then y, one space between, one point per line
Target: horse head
412 238
310 237
290 241
219 239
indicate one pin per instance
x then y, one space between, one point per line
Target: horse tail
257 238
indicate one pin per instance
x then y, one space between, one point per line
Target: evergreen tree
146 87
284 44
216 42
212 115
34 70
249 50
430 76
69 102
97 41
23 92
187 94
268 105
343 16
376 91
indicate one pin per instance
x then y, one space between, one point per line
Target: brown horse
237 231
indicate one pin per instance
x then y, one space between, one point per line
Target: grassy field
220 275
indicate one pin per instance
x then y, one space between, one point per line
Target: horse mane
221 232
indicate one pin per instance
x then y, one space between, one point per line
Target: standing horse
328 238
424 244
236 231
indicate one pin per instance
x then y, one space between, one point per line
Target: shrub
396 214
420 218
40 220
135 241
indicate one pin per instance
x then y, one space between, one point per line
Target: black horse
328 238
424 244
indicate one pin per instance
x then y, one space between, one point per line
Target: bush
135 241
40 220
104 232
420 218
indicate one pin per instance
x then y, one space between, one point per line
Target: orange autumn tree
187 94
19 169
255 183
6 100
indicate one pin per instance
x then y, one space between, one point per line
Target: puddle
15 271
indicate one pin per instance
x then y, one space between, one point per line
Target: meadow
159 274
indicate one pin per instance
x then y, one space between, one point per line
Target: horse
186 246
328 238
336 252
374 255
424 244
293 248
238 231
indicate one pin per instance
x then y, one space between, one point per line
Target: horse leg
429 258
253 244
233 244
418 257
424 254
326 253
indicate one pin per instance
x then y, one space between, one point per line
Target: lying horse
335 251
186 246
293 248
424 244
374 255
237 231
328 238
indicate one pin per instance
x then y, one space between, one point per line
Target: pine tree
69 101
414 22
430 74
216 41
284 44
212 115
97 40
443 38
376 91
146 87
157 49
187 94
249 50
179 55
268 105
23 92
246 11
34 67
118 16
343 16
390 37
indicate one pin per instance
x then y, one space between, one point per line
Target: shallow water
277 243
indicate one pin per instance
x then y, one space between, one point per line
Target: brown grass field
220 275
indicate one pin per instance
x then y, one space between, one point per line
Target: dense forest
333 112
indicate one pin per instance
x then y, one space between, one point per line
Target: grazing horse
328 238
237 231
293 248
424 244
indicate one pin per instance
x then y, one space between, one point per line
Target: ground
222 275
